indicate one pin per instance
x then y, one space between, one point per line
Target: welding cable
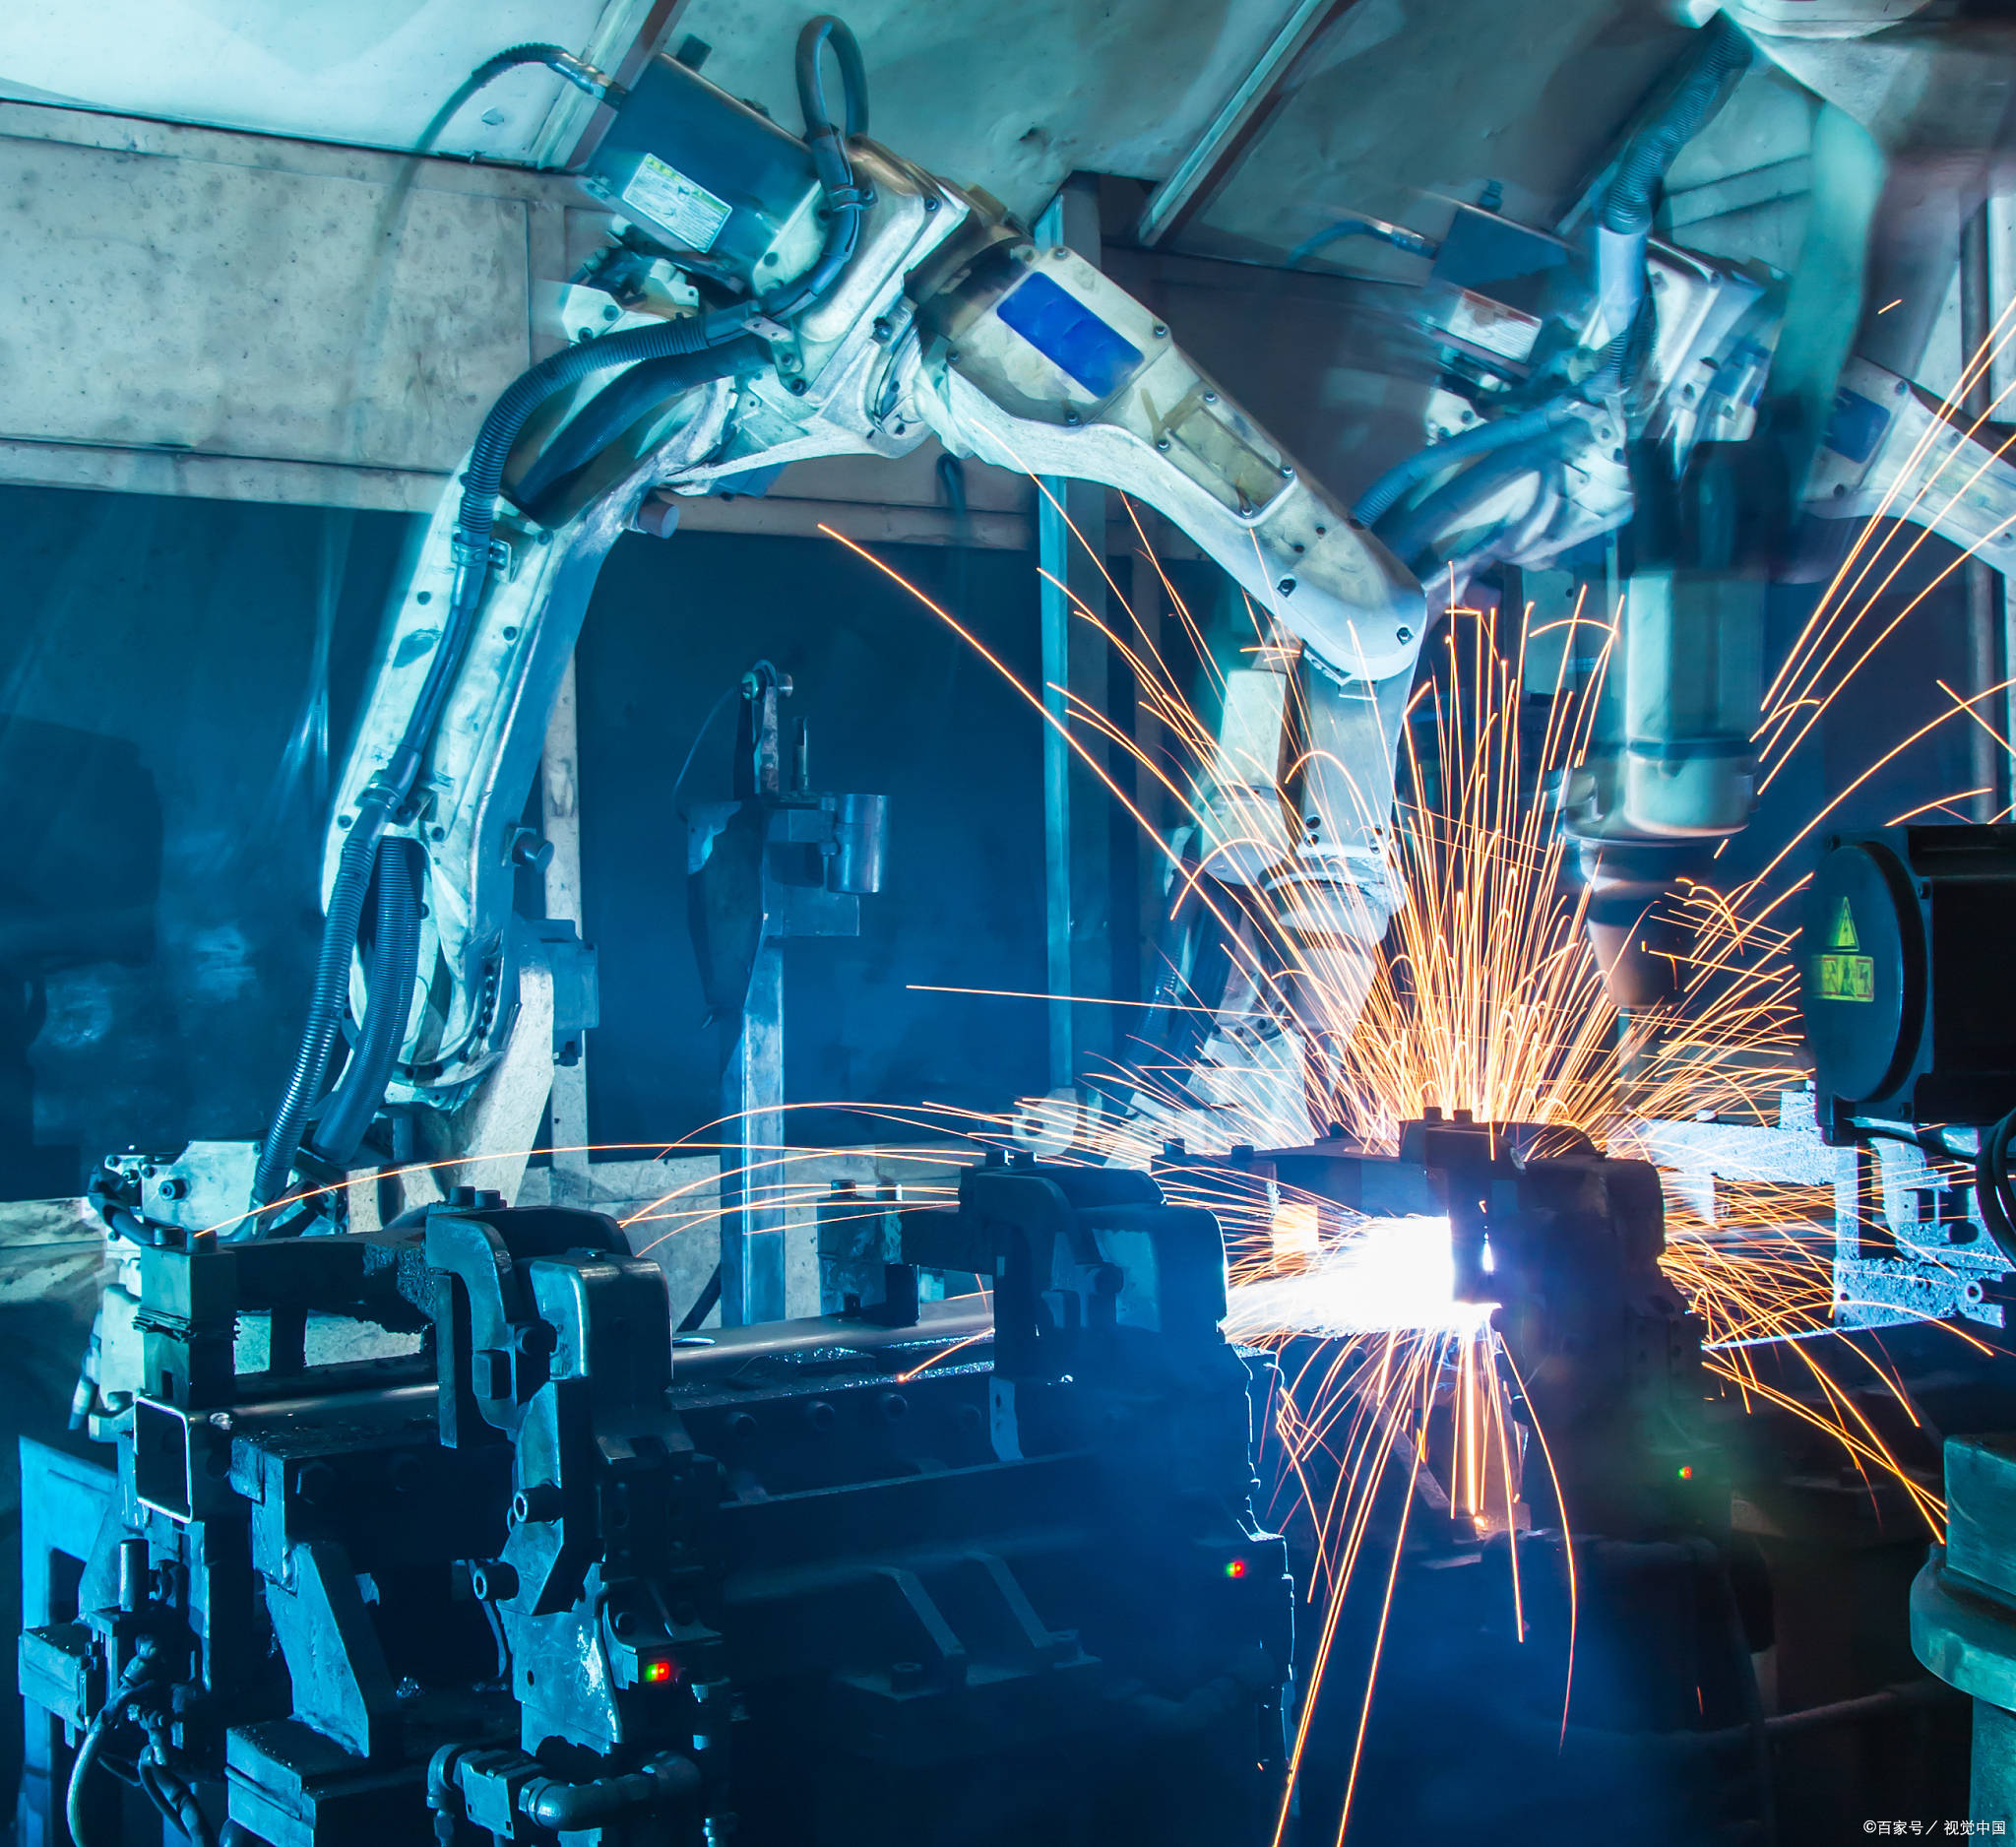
1415 528
556 58
1624 222
172 1795
1992 1188
845 203
328 1001
1402 478
616 408
390 970
139 1671
1398 235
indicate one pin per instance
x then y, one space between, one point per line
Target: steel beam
1228 133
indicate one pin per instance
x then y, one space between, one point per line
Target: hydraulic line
577 71
326 1004
1412 531
1633 195
389 975
1398 235
617 407
1404 477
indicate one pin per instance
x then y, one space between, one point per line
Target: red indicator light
1686 1471
657 1671
1235 1567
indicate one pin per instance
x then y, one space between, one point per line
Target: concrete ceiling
371 72
1386 106
1403 103
1008 95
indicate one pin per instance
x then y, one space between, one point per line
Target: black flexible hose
327 1004
567 1807
80 1774
813 37
139 1670
1386 492
1629 200
389 975
845 201
1992 1188
1398 235
617 406
1415 528
577 71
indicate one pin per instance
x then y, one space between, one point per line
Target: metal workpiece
1963 1611
1566 1243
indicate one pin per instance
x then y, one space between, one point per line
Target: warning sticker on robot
1844 975
686 209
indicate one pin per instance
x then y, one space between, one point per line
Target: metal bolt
537 1503
1161 442
1059 252
490 1579
892 1406
424 596
1160 331
1402 634
510 633
1286 586
1211 397
819 1414
1071 417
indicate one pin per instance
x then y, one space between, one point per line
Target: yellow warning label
1843 935
1847 978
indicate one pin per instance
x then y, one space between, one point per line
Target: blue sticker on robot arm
1857 425
1069 335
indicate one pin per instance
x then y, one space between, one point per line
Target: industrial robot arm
767 298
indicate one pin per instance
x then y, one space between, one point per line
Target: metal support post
560 818
752 1226
1987 761
1071 529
